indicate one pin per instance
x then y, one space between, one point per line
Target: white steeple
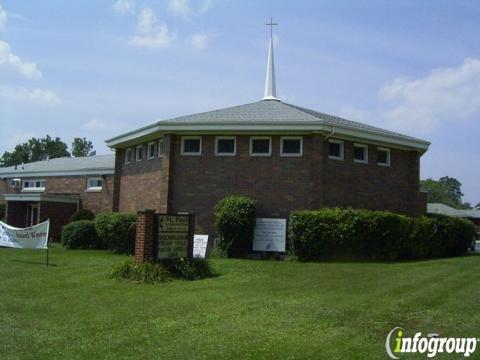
270 89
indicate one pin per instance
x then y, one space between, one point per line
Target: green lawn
253 309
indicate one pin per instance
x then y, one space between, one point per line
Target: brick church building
284 156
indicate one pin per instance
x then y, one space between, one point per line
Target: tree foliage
446 190
82 147
35 149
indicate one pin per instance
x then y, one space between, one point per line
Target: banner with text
35 237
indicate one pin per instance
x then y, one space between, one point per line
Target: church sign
270 235
174 236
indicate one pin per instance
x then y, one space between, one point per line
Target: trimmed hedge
2 211
382 235
235 222
117 231
80 234
82 214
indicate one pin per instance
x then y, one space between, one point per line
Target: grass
254 309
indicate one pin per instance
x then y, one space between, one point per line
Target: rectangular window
225 146
335 149
128 156
291 146
260 146
383 156
151 150
360 153
33 185
94 184
161 147
191 145
139 153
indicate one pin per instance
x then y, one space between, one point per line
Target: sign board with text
270 235
175 236
200 243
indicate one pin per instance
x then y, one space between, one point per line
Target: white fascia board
41 197
267 127
22 174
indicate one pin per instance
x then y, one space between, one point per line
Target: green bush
2 212
82 214
382 235
80 235
117 231
235 222
163 270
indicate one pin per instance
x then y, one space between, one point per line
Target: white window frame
291 138
128 158
161 147
94 188
342 152
389 156
33 188
269 138
234 138
364 146
137 159
191 138
150 157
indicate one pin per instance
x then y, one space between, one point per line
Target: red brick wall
16 213
58 213
395 187
95 201
144 185
279 184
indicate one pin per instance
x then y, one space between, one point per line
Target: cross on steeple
271 24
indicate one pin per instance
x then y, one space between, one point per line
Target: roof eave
265 126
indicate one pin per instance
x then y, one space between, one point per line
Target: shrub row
350 233
235 222
112 231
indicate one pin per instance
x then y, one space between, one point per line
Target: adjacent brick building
54 189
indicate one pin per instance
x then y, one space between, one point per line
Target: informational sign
35 237
200 243
174 236
270 235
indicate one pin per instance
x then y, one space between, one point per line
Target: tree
82 147
34 150
447 190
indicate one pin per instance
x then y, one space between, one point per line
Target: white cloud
185 9
179 7
28 70
150 32
98 124
42 97
205 6
124 7
3 18
199 41
446 95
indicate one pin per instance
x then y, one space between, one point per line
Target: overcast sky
97 68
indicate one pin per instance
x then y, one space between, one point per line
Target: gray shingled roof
269 113
439 208
275 111
101 164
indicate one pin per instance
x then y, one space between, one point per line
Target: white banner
35 237
270 235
